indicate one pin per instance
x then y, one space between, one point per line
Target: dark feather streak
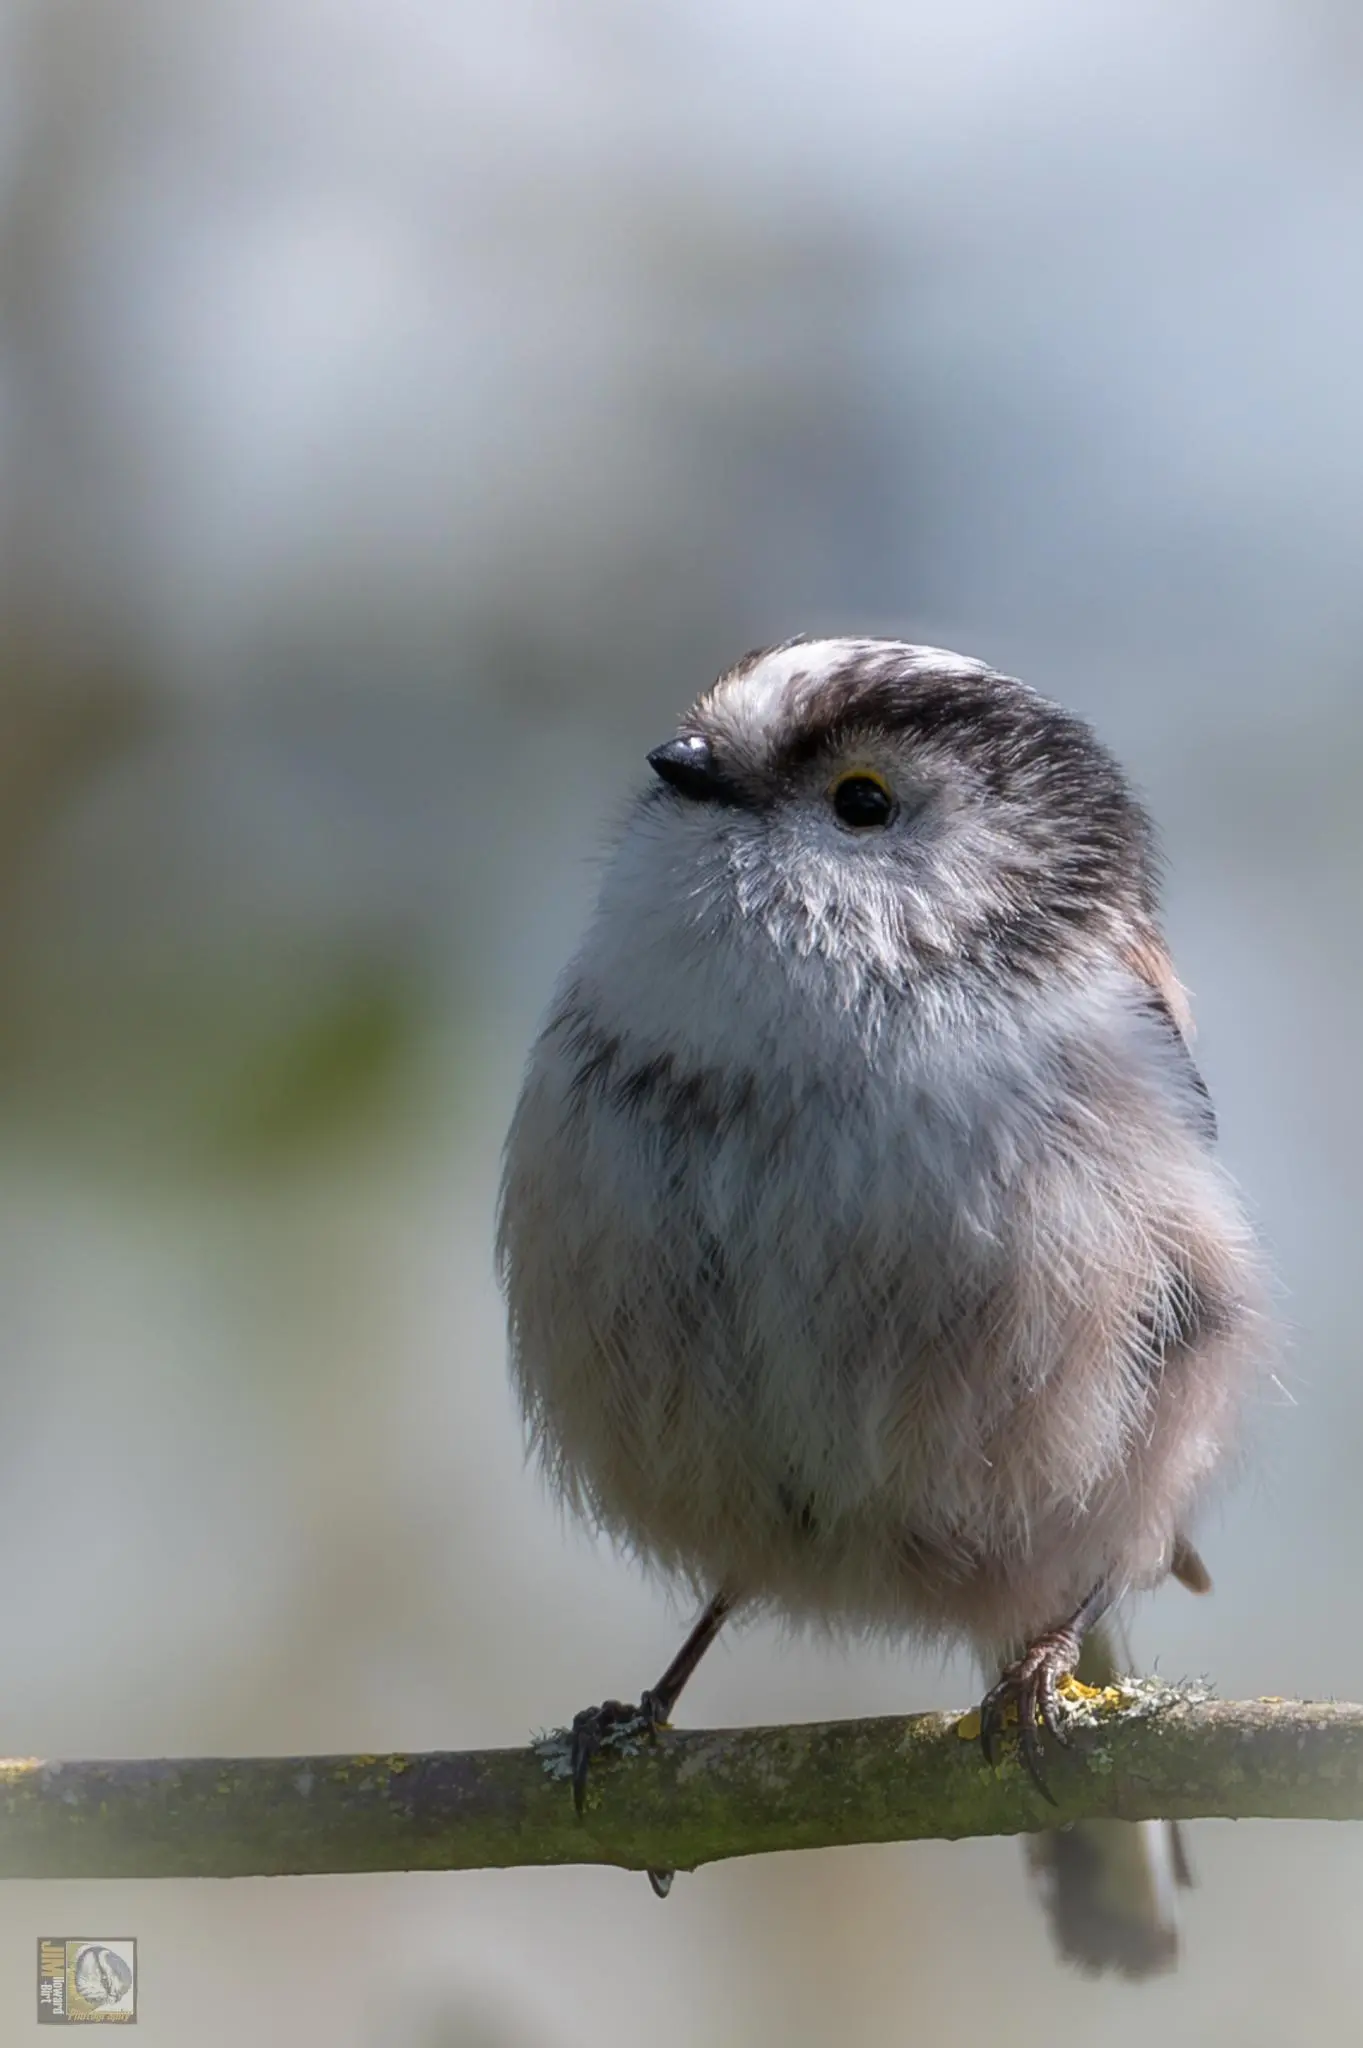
685 1103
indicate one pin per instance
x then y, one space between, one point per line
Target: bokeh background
404 408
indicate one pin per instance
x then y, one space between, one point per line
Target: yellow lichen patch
1072 1690
13 1768
968 1726
1079 1694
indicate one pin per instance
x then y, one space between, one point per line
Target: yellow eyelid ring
860 775
862 800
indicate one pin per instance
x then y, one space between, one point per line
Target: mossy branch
692 1797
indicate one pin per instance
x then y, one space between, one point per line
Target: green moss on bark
692 1797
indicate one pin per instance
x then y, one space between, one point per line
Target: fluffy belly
857 1364
815 1423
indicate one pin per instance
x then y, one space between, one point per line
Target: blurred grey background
404 409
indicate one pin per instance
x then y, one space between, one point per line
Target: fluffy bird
866 1252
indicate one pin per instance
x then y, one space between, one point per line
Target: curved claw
993 1707
590 1729
1030 1686
1048 1702
586 1740
594 1725
1029 1743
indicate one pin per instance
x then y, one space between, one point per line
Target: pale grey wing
1110 1887
1168 1004
1168 1001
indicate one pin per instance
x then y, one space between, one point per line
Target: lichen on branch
1141 1751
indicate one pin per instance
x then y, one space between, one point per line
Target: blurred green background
404 409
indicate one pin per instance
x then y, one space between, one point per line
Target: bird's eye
862 799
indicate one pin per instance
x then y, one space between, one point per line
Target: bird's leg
1029 1684
592 1726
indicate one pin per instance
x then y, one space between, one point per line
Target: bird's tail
1109 1886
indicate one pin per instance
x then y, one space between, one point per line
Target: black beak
688 765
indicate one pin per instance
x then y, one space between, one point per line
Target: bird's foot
1029 1686
615 1724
